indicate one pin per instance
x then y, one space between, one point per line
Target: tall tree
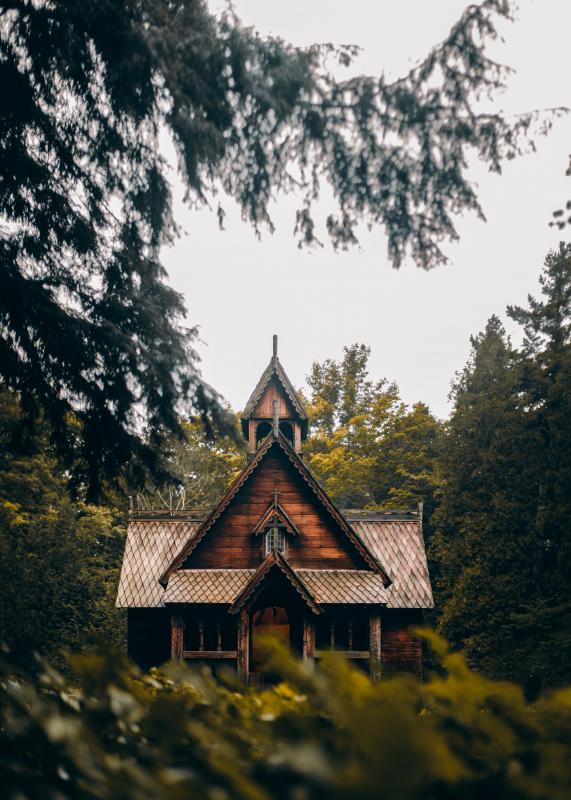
88 323
59 558
501 545
367 448
546 365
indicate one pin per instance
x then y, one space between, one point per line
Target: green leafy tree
88 322
59 558
365 445
205 467
322 735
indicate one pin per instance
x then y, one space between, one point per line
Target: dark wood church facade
275 553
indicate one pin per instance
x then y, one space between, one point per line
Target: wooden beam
243 644
177 635
205 654
308 640
375 646
345 653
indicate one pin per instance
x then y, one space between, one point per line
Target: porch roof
327 586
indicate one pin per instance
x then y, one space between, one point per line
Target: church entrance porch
215 637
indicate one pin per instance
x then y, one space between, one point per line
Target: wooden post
308 640
177 635
243 645
375 646
251 436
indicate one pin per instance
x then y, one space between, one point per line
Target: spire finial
275 346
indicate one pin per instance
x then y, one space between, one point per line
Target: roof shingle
152 545
399 544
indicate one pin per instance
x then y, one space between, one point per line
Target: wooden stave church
275 553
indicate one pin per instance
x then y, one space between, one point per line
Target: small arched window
286 430
275 540
262 431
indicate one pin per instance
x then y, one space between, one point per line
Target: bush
331 733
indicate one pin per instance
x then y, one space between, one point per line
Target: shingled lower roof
327 586
152 544
399 544
344 586
206 585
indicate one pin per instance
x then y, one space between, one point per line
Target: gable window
275 540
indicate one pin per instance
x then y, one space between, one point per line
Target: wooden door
271 619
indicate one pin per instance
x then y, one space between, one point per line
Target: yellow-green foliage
330 733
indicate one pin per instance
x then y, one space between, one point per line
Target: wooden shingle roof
275 560
151 546
396 537
274 370
397 540
224 586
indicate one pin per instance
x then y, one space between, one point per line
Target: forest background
494 480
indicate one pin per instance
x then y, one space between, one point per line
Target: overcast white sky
417 323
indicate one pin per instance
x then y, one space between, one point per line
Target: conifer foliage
88 322
501 547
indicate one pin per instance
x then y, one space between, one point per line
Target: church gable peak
274 405
276 464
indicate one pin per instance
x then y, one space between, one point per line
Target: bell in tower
274 408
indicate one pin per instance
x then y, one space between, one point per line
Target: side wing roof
151 545
396 538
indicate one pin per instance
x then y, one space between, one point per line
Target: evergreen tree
546 365
88 322
501 549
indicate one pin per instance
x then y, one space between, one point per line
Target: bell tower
274 408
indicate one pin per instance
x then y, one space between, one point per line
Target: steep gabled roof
269 442
274 370
275 560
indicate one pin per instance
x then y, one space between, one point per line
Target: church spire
274 407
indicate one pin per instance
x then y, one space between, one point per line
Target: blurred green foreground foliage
330 733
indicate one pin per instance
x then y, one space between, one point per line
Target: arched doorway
270 619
